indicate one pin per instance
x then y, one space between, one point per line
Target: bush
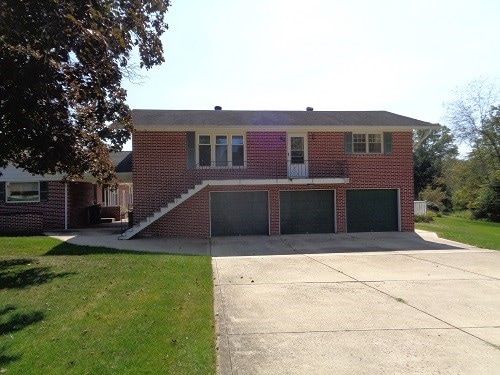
487 204
437 196
433 207
428 218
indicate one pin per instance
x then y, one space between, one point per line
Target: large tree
489 140
475 115
434 150
61 68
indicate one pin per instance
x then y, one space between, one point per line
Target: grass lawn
67 309
478 233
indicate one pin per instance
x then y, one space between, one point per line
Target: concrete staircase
128 234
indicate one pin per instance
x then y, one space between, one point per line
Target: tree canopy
431 155
475 118
62 65
475 115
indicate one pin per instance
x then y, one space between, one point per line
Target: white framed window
370 143
220 150
374 143
221 156
359 143
204 150
238 150
18 192
111 197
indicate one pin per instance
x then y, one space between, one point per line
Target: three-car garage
234 213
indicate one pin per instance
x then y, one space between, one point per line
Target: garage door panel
372 210
310 211
239 213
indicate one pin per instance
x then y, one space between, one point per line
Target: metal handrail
270 169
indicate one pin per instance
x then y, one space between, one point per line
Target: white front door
297 156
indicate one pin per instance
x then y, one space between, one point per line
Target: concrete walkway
368 303
106 235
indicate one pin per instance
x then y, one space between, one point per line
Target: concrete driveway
394 303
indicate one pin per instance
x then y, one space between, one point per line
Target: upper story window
204 150
221 150
221 157
18 192
368 143
238 150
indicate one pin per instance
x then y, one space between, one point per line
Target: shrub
428 218
433 207
437 196
487 204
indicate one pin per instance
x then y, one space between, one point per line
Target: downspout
421 140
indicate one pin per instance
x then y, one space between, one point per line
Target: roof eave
271 128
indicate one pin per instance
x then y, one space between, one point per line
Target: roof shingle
142 118
122 160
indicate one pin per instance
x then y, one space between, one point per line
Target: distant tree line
450 183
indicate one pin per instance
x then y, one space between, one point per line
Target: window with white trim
367 143
204 151
221 150
32 191
238 150
221 157
111 197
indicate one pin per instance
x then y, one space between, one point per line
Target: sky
407 57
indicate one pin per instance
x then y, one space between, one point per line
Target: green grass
67 309
477 233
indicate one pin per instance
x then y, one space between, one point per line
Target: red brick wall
371 171
159 174
21 223
264 149
49 215
111 212
160 160
80 197
99 197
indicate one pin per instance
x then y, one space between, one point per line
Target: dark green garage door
310 211
372 210
239 213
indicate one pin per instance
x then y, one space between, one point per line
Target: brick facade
113 212
81 195
35 217
160 174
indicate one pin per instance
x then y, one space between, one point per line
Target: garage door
372 210
239 213
310 211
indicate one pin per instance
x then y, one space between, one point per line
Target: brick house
214 173
34 203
